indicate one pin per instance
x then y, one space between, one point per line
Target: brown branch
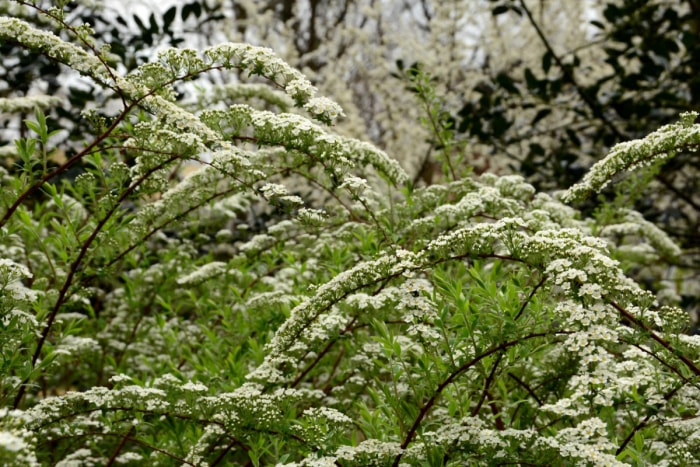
644 422
74 268
227 449
527 388
70 162
497 419
688 362
487 384
664 363
529 298
119 447
453 376
593 105
320 355
490 378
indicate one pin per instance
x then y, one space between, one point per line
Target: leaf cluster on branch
242 284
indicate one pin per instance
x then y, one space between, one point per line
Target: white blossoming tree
150 316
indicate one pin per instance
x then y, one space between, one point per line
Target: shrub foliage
242 285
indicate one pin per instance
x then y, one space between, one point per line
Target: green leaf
139 23
530 79
507 83
540 115
34 126
499 10
26 148
547 61
169 17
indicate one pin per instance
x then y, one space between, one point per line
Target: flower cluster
655 148
324 109
65 52
27 104
11 276
229 315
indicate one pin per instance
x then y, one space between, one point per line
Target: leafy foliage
558 115
295 299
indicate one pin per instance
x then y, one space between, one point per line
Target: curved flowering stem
73 269
655 148
81 38
59 170
490 378
688 362
642 423
261 61
353 280
452 377
90 148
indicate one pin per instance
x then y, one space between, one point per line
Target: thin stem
569 76
529 298
38 184
453 376
527 388
226 450
644 422
490 378
688 362
74 268
119 447
487 384
437 130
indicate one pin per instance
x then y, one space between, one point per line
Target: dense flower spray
244 285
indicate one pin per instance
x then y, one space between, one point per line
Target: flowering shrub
290 298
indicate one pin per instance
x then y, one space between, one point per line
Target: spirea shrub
240 285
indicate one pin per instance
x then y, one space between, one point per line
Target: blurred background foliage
536 87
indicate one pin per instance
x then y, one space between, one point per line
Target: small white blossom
324 108
204 273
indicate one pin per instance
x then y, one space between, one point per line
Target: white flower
10 442
273 190
324 108
652 149
28 103
194 387
204 273
332 415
